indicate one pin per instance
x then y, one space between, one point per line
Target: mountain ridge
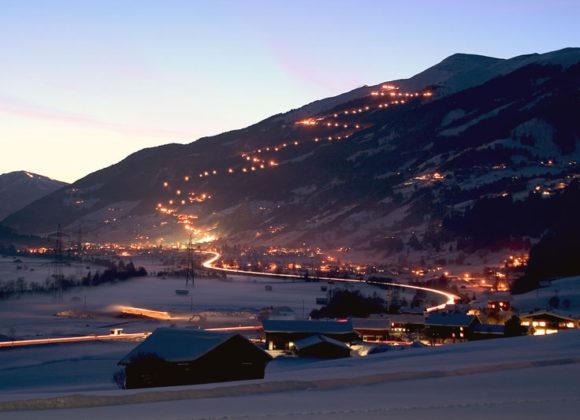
20 188
398 174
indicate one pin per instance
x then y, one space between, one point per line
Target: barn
172 356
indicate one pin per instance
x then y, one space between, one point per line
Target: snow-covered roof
371 323
449 319
489 329
304 326
407 318
553 313
177 345
317 339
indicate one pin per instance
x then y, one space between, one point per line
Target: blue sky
85 83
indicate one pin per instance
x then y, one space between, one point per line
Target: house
372 328
405 325
171 356
283 334
549 322
321 346
485 331
442 326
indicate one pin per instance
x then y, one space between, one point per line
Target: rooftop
454 319
317 339
178 345
307 326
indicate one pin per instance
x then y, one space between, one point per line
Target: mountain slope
384 170
18 189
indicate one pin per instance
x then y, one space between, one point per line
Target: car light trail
77 339
228 329
132 310
449 297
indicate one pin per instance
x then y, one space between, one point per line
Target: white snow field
527 377
213 302
516 378
566 289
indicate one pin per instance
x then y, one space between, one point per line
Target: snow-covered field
566 289
213 302
38 270
234 301
518 378
526 377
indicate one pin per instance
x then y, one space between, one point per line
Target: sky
83 84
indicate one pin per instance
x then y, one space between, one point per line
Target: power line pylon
58 262
189 273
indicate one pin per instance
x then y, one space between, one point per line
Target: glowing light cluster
435 176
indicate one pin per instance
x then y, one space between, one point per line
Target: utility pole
58 262
189 273
79 244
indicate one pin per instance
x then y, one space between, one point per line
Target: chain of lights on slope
254 162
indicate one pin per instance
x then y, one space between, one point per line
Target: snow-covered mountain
473 152
20 188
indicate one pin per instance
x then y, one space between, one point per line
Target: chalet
320 346
405 325
372 328
283 334
172 356
549 322
442 326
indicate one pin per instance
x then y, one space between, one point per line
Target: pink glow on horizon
26 109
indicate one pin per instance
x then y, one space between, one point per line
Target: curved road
449 297
209 264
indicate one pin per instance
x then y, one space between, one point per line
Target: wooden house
372 328
455 326
173 356
549 322
404 326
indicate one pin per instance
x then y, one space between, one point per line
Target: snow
454 131
305 190
476 379
524 377
565 288
452 116
39 269
61 368
213 302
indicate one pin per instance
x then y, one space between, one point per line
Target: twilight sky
85 83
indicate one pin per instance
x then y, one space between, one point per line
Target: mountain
18 189
454 159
